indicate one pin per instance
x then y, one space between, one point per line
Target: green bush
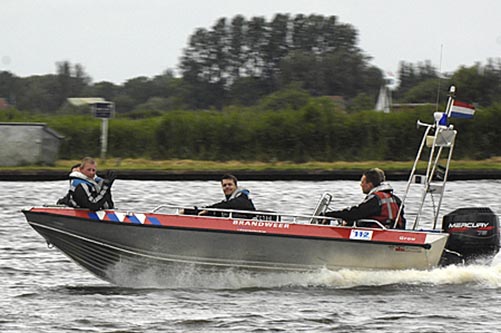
316 131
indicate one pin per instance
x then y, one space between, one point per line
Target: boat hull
103 241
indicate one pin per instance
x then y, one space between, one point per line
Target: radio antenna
439 77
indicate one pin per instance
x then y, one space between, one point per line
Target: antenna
439 77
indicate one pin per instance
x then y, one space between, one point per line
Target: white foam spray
484 275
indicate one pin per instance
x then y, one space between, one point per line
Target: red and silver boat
99 240
104 240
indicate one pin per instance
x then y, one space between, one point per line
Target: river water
43 291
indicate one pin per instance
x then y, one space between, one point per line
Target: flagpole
439 77
452 94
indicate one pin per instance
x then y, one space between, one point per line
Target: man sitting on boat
380 204
87 190
235 198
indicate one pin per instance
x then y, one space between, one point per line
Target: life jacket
92 188
389 210
238 192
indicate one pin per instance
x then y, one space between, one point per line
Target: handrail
370 221
295 217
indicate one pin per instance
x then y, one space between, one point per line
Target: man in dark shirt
380 204
235 198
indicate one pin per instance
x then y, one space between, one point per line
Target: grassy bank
195 165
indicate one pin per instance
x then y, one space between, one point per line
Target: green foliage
12 115
253 89
132 138
81 135
481 84
245 62
426 91
290 98
480 138
411 75
314 50
315 131
362 102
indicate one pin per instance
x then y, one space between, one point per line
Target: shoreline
308 175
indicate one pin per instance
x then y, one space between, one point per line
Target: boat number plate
361 234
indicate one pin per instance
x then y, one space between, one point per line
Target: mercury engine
473 234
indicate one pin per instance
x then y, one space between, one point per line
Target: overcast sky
116 40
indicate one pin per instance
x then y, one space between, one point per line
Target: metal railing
254 215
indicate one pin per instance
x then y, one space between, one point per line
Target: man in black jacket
235 198
380 204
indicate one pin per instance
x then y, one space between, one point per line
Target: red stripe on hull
257 226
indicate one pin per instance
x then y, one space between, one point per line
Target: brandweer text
261 224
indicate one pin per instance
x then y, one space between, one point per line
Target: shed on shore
28 144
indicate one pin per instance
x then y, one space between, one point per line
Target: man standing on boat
235 198
380 203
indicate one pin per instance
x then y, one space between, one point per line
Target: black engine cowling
473 233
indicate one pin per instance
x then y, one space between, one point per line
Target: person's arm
64 200
240 202
366 209
93 201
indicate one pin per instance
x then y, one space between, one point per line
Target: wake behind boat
262 241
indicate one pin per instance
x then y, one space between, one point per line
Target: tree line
291 88
309 129
239 61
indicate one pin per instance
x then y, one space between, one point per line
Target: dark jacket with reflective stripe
86 193
380 204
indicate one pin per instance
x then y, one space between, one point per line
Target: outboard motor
473 233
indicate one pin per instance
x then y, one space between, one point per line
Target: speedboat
104 241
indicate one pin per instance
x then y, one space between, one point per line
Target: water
43 291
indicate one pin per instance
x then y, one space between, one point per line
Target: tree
236 47
255 41
39 94
197 71
426 92
247 91
104 89
478 84
316 51
138 89
362 102
291 98
72 80
275 49
302 67
8 86
410 75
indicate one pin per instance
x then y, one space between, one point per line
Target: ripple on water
43 291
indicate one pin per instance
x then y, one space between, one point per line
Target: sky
117 40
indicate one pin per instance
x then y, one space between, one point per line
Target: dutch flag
462 110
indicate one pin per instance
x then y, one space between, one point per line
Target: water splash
176 277
487 276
